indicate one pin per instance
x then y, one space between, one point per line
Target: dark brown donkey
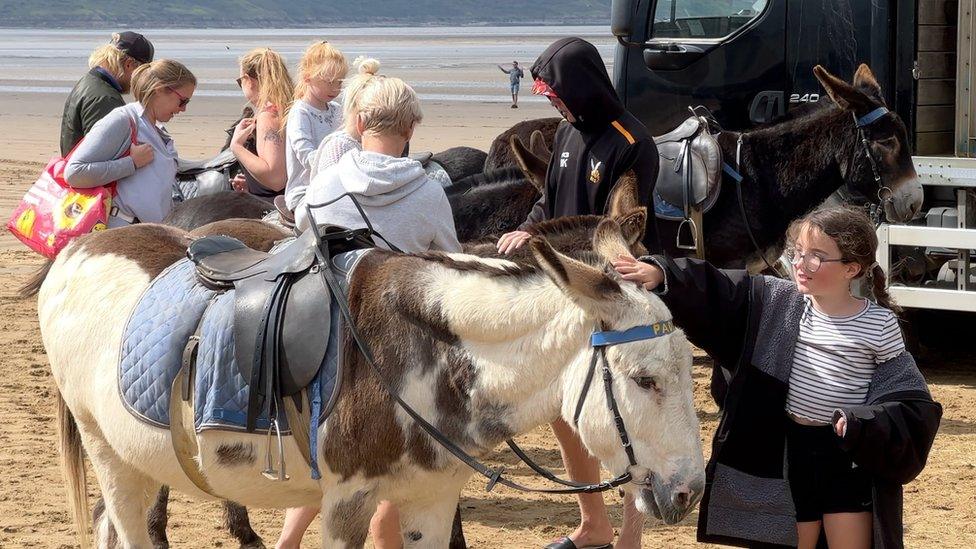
791 166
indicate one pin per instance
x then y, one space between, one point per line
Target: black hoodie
591 153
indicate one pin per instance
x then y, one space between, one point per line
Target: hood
574 70
378 179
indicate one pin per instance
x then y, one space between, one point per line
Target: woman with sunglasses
259 142
131 147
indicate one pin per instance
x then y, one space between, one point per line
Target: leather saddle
281 308
690 175
209 176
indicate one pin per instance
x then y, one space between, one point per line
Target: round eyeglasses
811 263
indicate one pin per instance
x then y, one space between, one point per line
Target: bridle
884 191
599 341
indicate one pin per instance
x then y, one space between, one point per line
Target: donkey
485 349
500 154
199 211
791 166
491 203
483 203
461 162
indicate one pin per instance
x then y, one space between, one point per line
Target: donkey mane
501 176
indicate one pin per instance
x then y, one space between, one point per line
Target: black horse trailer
750 61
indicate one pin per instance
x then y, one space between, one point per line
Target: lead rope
736 174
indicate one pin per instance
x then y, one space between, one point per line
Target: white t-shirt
307 127
835 359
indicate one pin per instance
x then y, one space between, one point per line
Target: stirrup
269 471
693 228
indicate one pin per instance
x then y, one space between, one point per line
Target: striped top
835 358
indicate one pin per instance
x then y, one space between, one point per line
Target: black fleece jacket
751 323
603 143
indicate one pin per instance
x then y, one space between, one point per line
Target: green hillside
295 13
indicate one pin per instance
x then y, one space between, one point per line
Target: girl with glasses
826 415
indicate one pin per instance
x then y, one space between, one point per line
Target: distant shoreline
379 24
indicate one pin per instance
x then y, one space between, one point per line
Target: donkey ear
533 166
612 239
845 95
865 81
623 197
537 144
587 286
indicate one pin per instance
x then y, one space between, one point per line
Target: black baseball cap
134 45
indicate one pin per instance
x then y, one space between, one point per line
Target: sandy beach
940 506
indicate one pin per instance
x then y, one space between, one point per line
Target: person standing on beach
515 74
100 91
597 143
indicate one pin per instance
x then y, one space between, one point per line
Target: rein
599 340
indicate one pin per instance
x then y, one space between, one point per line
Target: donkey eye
647 383
888 145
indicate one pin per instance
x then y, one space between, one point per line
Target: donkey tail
73 468
33 284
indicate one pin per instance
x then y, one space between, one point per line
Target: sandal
566 543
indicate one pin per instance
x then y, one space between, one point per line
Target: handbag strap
133 138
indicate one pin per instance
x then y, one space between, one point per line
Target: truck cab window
703 19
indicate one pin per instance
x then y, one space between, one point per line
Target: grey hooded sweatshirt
401 203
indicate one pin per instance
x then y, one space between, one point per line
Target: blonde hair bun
367 65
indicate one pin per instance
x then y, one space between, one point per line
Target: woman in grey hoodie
401 202
405 207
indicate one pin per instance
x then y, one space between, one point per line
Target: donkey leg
126 493
239 525
158 518
457 532
346 512
428 522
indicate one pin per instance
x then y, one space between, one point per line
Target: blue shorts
515 87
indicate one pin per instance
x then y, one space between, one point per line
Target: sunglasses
184 101
240 79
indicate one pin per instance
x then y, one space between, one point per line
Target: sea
452 64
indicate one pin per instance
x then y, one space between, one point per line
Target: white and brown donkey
484 349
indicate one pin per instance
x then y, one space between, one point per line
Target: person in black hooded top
597 144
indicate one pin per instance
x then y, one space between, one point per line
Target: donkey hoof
256 544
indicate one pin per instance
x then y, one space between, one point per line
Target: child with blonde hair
405 206
346 138
410 210
313 115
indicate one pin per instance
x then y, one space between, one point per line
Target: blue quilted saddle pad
158 330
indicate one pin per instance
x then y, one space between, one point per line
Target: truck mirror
622 18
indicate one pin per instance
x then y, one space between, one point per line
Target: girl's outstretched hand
647 275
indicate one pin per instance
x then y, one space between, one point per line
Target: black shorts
823 479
